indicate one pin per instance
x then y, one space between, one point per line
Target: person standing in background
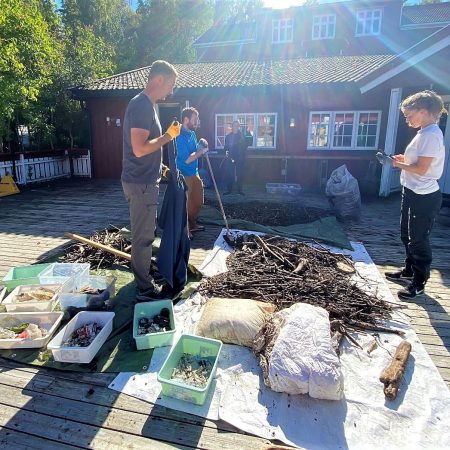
421 167
141 171
188 152
236 146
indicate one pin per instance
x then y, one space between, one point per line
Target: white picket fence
38 169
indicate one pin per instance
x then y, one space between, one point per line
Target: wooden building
313 87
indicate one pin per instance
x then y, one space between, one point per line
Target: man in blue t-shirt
141 171
188 152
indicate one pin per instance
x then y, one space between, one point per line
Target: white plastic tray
83 355
74 273
79 299
13 305
47 320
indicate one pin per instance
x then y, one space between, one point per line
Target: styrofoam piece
47 320
62 272
79 299
149 310
82 355
12 304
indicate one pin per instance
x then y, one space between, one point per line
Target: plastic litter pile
22 331
156 324
83 336
193 370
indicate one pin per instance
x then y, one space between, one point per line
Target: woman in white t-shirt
422 165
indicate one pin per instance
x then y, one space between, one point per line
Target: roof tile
335 69
426 14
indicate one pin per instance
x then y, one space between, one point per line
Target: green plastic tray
23 275
193 345
153 340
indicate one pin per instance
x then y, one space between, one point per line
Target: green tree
28 54
167 29
235 10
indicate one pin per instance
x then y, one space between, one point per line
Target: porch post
391 138
22 171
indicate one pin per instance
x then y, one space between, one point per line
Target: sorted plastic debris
23 331
156 324
41 294
83 336
193 370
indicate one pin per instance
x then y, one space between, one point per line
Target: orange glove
174 129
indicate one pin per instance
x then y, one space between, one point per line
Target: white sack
343 192
303 360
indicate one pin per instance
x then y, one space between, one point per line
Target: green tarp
326 229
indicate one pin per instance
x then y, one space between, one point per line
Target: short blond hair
163 68
427 100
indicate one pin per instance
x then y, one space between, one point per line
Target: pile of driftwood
285 272
99 258
271 214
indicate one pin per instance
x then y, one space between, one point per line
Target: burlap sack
234 320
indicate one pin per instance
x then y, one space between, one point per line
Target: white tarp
364 419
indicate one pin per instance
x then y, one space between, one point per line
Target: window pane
247 126
359 27
265 132
223 127
316 33
343 130
367 130
368 22
319 130
376 26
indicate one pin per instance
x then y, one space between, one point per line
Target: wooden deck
46 409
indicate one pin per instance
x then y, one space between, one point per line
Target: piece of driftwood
392 376
98 245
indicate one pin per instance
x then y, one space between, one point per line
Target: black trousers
238 173
418 213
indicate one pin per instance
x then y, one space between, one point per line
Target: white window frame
323 20
255 128
362 15
330 136
282 25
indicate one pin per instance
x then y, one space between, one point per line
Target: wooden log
392 376
105 248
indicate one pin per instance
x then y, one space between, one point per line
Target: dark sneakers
155 292
399 276
411 291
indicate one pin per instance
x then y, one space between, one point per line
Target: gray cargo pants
142 201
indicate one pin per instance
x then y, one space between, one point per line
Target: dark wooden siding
306 167
107 139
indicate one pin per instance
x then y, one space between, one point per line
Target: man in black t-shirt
141 170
